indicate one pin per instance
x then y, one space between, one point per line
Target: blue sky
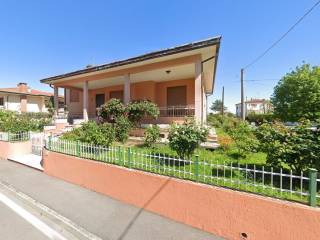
43 38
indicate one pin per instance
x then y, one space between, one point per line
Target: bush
259 119
122 127
297 147
14 122
225 142
226 122
185 138
138 109
92 133
111 110
151 135
244 139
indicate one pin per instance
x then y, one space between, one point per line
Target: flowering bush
111 110
136 110
185 138
151 135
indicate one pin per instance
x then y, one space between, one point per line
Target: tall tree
297 94
217 106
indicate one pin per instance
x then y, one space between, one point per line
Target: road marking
36 222
50 212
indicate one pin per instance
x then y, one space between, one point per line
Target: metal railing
177 111
279 183
14 137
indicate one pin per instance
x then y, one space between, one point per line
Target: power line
283 36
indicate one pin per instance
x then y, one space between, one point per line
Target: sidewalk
98 214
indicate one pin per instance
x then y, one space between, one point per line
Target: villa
24 99
177 79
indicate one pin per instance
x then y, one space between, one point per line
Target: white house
24 99
257 106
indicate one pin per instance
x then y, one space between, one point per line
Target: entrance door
99 100
177 96
176 101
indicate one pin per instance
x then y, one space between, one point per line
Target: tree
297 95
217 106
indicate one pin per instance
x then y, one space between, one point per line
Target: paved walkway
98 214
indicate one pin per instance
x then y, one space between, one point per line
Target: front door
99 100
176 101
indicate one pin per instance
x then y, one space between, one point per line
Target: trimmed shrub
185 138
152 135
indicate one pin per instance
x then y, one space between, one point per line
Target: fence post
119 155
196 168
78 149
129 157
313 187
49 142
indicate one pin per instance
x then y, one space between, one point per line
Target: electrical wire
283 36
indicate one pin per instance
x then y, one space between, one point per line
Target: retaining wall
220 211
14 149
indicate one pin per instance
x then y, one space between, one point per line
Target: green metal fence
14 137
280 183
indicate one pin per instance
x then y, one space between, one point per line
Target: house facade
256 106
24 99
177 79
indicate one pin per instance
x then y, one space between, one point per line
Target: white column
85 101
56 100
198 92
126 88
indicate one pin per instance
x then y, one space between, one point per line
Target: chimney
23 87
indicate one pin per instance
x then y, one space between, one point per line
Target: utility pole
243 115
222 110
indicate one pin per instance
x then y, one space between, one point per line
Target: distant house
257 106
24 99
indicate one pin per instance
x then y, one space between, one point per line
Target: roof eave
144 57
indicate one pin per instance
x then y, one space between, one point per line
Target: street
62 210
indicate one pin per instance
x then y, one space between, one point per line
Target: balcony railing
177 111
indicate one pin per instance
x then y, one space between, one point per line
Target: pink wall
220 211
10 149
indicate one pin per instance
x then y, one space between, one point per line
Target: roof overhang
181 56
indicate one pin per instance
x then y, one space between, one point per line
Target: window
74 95
1 102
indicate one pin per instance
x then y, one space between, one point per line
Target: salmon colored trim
220 211
132 70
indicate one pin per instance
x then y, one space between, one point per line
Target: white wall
13 103
34 104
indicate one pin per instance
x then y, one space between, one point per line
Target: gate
37 142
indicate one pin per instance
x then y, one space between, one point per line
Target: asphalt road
14 227
79 212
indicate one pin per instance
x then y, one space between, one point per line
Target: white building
24 99
257 106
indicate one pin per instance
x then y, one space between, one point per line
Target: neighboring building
177 79
24 99
257 106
